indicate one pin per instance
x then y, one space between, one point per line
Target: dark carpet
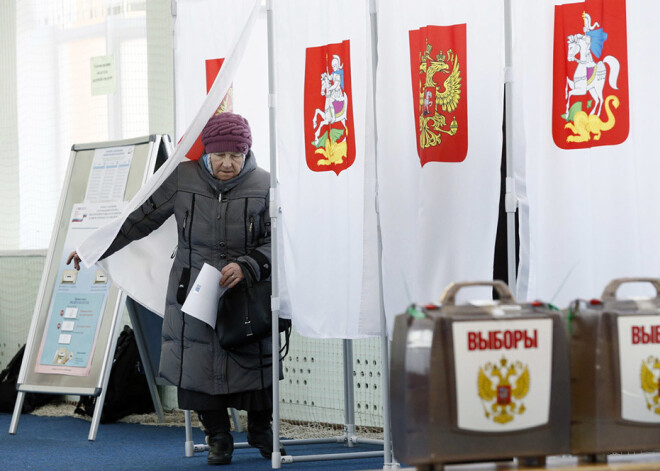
61 444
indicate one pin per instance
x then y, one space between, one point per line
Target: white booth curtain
587 215
204 31
438 219
325 167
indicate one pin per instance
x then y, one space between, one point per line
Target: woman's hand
231 275
76 260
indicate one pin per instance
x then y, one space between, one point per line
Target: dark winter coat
218 222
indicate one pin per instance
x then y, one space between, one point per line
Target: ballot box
479 381
615 368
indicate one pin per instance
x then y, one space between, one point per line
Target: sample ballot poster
107 179
78 301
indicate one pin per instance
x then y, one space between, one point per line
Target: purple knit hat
227 132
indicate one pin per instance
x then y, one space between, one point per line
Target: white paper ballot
202 301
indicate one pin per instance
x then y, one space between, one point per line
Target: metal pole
18 408
276 459
510 200
349 393
190 444
331 456
388 459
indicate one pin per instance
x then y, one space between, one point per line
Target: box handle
609 293
448 298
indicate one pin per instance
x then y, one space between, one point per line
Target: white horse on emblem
589 76
335 108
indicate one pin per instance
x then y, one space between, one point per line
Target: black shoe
264 443
221 446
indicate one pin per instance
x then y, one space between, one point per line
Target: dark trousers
217 421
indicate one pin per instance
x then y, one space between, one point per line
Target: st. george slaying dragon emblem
332 144
502 387
433 97
328 109
649 378
590 77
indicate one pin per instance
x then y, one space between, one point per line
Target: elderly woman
221 205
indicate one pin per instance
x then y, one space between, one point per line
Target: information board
74 326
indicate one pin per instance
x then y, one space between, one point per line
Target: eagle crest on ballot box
650 384
502 387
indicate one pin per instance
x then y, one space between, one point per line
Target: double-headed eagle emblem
502 387
432 99
649 379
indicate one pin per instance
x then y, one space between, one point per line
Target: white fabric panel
151 255
204 30
328 220
589 215
438 221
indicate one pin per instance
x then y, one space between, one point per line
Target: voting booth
615 372
479 381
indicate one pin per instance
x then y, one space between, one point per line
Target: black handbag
244 314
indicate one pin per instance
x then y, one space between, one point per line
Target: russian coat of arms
432 99
649 381
438 67
502 387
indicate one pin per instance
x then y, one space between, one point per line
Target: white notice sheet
202 301
107 180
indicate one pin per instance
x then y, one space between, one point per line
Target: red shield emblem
503 395
212 70
428 109
438 64
328 110
590 104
